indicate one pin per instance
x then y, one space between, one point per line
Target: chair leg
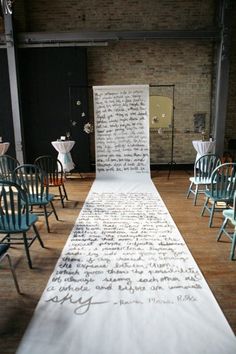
61 197
233 246
64 189
204 206
38 236
13 273
223 226
189 190
212 213
196 194
27 250
54 210
46 217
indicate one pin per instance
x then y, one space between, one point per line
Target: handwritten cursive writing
84 305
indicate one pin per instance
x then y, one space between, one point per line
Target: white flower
88 128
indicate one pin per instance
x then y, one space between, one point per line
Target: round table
3 148
203 147
64 155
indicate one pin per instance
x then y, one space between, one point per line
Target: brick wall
188 64
71 15
185 64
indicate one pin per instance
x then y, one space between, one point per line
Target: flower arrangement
88 128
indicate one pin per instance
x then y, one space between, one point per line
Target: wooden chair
55 174
34 182
7 167
221 189
203 169
15 218
229 216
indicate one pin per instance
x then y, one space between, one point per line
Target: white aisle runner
126 282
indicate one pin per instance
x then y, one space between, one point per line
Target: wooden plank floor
212 257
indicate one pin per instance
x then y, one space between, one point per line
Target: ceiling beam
111 36
103 38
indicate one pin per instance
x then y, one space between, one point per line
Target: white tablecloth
3 148
203 147
64 155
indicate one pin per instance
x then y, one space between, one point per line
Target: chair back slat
32 179
204 167
13 204
232 185
7 167
223 181
234 206
52 167
55 176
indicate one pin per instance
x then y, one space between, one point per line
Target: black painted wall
46 78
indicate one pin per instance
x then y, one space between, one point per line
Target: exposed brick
188 64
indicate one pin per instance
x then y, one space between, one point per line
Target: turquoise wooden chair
7 167
55 174
221 189
34 182
4 254
229 216
15 217
203 169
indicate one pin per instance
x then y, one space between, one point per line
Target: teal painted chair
221 189
55 174
203 169
16 219
4 254
34 182
229 216
7 167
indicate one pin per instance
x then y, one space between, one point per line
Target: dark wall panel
46 76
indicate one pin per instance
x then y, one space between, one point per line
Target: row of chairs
51 166
22 188
218 183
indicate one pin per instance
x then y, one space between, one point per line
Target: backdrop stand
172 162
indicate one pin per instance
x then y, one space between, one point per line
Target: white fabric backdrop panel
126 282
122 131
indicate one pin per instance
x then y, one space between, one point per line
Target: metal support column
12 69
222 76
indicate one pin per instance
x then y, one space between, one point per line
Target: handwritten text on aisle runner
124 244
